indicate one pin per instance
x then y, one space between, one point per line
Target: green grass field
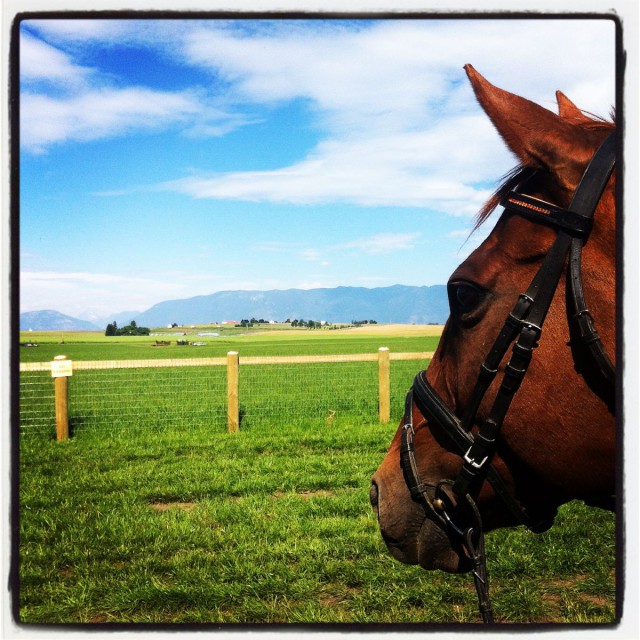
254 342
170 524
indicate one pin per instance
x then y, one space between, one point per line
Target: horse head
557 440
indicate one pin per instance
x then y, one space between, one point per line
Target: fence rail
231 388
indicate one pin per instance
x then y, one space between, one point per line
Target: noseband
452 503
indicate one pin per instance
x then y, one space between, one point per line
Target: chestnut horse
477 451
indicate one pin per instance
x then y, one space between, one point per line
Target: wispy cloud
382 169
383 243
99 113
276 246
377 244
41 62
315 255
398 120
62 101
51 289
401 125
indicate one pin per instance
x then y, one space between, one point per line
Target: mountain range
50 320
396 304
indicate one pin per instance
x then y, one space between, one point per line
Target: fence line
92 365
232 388
86 365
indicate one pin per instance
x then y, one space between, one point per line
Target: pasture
258 341
272 524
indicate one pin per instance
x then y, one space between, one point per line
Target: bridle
452 503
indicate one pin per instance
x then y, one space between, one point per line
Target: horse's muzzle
410 536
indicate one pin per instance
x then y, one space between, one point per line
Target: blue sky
163 159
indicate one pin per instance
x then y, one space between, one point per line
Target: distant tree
132 329
111 329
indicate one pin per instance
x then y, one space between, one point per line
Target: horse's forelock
511 180
522 173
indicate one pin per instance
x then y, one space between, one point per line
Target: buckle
472 462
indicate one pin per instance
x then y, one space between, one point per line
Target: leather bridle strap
430 495
587 199
586 326
445 421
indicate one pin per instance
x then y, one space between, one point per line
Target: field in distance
193 342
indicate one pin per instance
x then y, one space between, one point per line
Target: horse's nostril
373 495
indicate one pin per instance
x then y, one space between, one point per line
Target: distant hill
53 321
396 304
386 305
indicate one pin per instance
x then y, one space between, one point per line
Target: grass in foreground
271 524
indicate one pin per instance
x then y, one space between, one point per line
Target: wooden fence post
384 385
233 403
61 369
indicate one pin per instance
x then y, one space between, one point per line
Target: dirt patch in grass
101 618
559 589
337 596
598 601
165 506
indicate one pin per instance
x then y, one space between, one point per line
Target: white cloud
71 292
276 246
42 62
94 114
78 31
62 101
418 169
377 244
401 72
398 121
314 255
402 126
382 243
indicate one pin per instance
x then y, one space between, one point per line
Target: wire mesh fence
37 404
310 390
145 398
132 395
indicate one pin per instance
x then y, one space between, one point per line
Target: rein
451 504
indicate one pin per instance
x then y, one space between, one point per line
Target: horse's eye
464 298
467 297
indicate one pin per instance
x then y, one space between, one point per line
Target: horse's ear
568 110
537 136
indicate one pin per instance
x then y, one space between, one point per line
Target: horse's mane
523 173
